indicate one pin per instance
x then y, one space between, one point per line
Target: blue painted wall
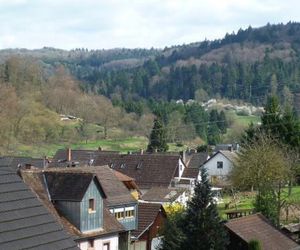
78 212
128 223
91 221
71 210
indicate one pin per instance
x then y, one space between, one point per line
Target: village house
91 203
25 222
256 227
148 170
219 166
148 234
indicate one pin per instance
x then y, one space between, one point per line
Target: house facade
219 166
98 212
151 220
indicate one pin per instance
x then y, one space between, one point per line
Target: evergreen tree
271 119
172 232
158 138
222 123
202 225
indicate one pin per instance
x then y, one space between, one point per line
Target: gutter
46 186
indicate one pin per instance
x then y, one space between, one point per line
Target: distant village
98 199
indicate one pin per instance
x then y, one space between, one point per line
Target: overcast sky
97 24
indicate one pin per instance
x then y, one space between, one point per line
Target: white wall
98 243
181 168
138 245
211 166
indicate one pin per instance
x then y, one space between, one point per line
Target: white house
219 165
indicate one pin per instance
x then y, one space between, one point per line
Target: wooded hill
123 89
246 65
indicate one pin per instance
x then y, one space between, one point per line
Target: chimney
141 151
69 154
99 149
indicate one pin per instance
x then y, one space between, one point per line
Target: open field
123 145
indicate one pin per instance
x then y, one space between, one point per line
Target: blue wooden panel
91 221
71 210
129 223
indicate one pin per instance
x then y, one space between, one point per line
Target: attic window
123 165
129 214
119 215
219 164
92 208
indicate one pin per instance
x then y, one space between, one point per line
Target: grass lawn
246 202
49 149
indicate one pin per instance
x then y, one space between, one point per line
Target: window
123 165
92 206
91 244
119 215
129 213
220 164
106 246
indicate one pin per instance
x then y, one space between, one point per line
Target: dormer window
119 215
123 165
112 165
129 214
92 207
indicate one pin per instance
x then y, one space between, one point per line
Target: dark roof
24 221
34 178
195 160
82 157
162 194
148 170
257 227
190 173
115 191
15 161
68 186
147 213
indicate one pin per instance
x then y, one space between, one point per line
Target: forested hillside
248 65
123 89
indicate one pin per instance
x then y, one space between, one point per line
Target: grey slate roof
24 222
68 186
15 161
